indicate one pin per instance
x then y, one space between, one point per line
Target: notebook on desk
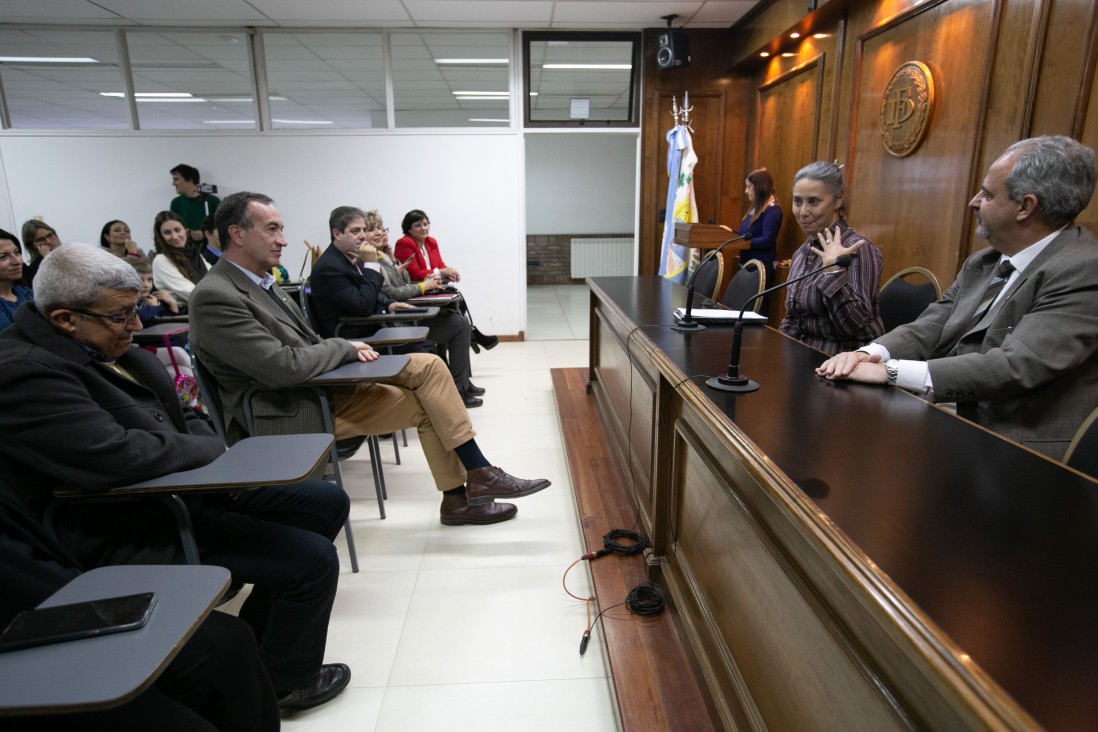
719 316
434 299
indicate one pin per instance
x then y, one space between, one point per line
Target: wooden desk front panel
787 643
625 387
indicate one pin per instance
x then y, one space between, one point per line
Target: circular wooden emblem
906 108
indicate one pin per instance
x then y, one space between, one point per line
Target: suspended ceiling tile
186 12
333 12
480 13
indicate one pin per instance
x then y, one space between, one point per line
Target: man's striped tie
994 287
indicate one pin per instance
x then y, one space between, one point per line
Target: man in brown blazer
246 332
1014 341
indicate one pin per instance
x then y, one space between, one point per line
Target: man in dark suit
347 281
247 332
1014 341
80 409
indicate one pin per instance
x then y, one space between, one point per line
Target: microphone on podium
732 381
688 323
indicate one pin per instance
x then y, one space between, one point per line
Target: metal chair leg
186 529
375 468
347 531
396 448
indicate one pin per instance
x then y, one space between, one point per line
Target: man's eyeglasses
46 238
124 320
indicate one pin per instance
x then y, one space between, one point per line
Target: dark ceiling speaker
673 49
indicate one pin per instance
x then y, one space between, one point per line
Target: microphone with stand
688 323
732 381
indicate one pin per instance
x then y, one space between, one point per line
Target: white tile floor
467 628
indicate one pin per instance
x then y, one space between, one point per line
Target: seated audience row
349 280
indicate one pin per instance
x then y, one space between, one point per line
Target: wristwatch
893 368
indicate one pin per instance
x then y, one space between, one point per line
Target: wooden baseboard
654 683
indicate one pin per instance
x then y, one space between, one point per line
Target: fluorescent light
597 67
481 93
787 54
48 60
821 35
460 61
487 119
479 98
241 99
150 95
303 121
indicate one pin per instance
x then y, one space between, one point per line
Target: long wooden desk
845 556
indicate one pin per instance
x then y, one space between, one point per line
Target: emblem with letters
906 108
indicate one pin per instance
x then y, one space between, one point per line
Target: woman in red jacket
426 261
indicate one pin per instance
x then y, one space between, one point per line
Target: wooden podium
711 236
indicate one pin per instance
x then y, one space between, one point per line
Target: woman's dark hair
103 240
30 227
8 236
763 185
412 218
178 257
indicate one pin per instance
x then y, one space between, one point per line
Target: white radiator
602 257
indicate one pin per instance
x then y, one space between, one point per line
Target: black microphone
688 323
741 384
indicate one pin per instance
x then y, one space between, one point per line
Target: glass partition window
582 79
445 79
326 80
185 80
53 79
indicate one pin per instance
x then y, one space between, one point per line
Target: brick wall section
549 257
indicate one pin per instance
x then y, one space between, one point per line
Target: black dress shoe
333 679
456 511
474 390
470 401
486 342
484 485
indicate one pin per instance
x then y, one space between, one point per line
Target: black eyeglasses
124 320
46 238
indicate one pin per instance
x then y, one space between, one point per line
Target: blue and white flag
681 206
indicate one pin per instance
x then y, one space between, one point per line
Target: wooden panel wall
794 96
1004 70
924 196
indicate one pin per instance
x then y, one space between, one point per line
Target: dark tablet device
60 623
410 311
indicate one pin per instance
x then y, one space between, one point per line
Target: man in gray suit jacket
1014 341
247 332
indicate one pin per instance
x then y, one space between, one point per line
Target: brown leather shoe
485 485
456 511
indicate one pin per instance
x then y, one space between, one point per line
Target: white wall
581 183
470 184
